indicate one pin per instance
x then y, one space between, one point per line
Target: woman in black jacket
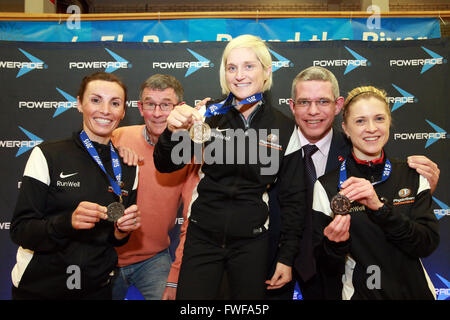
371 236
70 212
247 146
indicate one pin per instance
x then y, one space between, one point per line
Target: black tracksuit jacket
389 243
58 176
231 197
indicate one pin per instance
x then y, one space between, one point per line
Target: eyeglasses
150 106
323 102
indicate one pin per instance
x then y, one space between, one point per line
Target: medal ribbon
386 173
117 169
218 108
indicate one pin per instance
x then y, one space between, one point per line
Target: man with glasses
145 261
315 101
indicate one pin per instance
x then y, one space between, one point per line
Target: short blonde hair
257 46
315 73
365 92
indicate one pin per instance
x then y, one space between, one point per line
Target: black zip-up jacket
58 176
387 242
231 198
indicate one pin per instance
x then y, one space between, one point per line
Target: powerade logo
281 61
443 293
24 67
350 64
5 225
66 105
191 66
109 66
443 211
60 106
431 137
426 63
405 97
23 145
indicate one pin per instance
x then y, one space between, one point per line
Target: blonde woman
369 239
229 217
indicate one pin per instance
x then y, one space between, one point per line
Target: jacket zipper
246 126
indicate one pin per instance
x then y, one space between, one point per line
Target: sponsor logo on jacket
68 184
64 183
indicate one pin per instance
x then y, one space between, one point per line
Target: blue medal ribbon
386 173
117 169
218 108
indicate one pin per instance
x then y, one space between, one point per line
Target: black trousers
206 258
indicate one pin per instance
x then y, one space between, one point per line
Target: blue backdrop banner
39 84
373 28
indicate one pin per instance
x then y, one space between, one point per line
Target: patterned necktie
310 170
305 262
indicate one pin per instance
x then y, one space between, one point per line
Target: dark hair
162 82
104 76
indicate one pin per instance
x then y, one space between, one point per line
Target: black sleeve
292 201
31 227
116 242
172 151
415 233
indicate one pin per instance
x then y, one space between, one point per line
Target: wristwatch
385 208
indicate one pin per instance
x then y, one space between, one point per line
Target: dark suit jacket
340 148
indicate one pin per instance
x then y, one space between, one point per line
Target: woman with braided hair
372 217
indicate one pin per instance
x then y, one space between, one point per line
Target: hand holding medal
361 190
182 117
129 221
339 229
115 211
87 214
352 189
188 118
340 204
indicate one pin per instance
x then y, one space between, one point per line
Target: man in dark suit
315 101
